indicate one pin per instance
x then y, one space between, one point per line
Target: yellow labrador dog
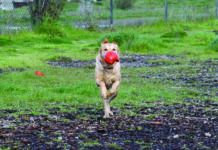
108 76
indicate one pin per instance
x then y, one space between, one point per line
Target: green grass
32 50
149 8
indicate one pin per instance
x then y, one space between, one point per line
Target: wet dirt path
193 125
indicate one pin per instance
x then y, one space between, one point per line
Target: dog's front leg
107 109
113 90
106 101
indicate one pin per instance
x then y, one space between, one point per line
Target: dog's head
106 47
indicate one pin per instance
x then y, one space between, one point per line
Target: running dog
108 76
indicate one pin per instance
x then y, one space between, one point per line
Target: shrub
54 31
124 4
147 44
51 29
5 40
123 39
141 46
214 45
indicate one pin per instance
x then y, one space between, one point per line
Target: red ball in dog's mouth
111 57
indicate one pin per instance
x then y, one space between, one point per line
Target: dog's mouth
111 57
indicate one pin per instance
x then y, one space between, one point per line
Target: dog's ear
105 41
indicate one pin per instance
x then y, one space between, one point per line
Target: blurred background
18 15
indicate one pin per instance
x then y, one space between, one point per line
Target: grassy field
147 9
30 51
167 100
151 11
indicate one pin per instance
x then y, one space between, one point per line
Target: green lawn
32 50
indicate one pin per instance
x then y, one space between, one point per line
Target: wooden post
111 13
166 10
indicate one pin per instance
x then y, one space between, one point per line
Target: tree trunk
40 9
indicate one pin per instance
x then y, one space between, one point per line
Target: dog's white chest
109 77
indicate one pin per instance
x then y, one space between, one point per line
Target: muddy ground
10 69
127 61
192 124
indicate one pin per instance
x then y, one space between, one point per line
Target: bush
147 44
54 31
141 46
51 29
123 39
124 4
214 45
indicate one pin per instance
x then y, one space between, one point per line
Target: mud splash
191 125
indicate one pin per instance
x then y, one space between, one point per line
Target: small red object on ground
111 57
39 73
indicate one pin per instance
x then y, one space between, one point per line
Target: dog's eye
105 49
114 49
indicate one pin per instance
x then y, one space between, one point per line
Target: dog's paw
108 114
111 113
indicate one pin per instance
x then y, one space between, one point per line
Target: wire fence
92 13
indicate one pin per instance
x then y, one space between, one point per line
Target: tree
124 4
41 9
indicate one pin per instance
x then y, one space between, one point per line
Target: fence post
0 23
111 13
217 9
166 10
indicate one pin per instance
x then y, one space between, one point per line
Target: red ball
111 57
39 73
